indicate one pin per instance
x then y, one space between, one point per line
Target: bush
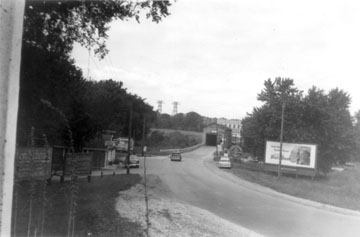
171 140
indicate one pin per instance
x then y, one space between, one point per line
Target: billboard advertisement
33 163
293 154
121 143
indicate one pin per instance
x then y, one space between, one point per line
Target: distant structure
234 125
207 121
175 108
160 102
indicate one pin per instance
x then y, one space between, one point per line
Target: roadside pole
281 137
146 196
11 28
217 131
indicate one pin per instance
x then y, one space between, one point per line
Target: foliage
95 214
317 118
191 121
48 72
54 25
171 140
108 105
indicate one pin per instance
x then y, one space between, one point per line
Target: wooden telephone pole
281 137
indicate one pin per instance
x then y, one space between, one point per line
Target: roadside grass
340 189
164 139
95 213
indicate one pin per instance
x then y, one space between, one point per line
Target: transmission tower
160 102
175 108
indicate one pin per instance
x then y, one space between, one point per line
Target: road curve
194 181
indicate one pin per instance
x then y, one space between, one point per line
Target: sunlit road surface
196 181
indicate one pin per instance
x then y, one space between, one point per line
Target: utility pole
11 29
281 137
217 134
145 186
143 139
129 140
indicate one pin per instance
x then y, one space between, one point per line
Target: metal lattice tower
160 102
175 108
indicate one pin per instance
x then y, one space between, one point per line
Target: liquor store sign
33 163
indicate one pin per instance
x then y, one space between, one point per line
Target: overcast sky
213 56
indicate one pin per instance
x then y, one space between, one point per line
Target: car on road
133 161
175 156
224 162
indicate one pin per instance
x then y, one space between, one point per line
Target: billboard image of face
298 155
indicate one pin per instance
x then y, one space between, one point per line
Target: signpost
33 163
281 137
295 158
80 163
121 143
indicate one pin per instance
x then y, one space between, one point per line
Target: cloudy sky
213 56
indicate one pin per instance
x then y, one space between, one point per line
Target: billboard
33 163
121 143
81 163
293 154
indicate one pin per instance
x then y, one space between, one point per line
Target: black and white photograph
181 118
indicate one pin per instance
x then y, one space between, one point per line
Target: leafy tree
108 105
255 127
317 117
177 121
54 26
193 122
48 72
163 121
356 133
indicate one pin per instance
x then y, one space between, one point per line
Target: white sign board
110 144
121 143
293 154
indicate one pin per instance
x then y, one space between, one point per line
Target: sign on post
121 143
33 163
80 163
296 158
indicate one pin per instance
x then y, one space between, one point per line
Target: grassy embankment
95 212
171 139
340 189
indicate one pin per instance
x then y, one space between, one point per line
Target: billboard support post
297 158
217 132
281 137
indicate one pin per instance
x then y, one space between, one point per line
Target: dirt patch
169 217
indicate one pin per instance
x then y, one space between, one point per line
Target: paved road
197 181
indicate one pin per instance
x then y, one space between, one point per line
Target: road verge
169 217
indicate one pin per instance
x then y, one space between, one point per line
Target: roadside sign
296 158
121 143
78 162
293 154
33 163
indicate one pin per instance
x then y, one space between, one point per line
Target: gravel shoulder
168 216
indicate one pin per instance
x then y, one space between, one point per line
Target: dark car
176 156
